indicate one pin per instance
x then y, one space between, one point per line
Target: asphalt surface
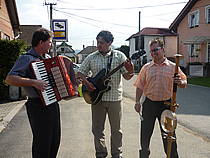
193 131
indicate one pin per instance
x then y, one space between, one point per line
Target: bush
207 63
9 52
194 63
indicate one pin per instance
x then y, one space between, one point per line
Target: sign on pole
60 30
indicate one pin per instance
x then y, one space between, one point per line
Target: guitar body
95 96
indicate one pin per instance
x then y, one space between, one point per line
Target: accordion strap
34 56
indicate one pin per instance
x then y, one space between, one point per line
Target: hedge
9 53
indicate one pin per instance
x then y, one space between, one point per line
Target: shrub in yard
9 53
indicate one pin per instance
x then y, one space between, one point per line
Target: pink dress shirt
156 81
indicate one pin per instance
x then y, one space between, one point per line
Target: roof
182 14
12 10
151 31
62 44
197 39
66 45
27 32
88 50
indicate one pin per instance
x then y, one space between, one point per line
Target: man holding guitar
105 91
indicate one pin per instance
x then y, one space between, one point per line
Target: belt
34 98
169 100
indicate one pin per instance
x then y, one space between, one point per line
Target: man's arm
18 81
139 93
130 68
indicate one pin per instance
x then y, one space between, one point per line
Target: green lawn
201 81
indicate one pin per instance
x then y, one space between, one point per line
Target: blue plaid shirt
22 68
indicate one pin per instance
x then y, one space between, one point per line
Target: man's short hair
41 34
158 41
106 35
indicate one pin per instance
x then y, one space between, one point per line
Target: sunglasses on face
155 49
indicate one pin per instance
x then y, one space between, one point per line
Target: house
9 21
65 49
27 32
193 27
147 34
85 52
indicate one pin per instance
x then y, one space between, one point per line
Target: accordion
61 83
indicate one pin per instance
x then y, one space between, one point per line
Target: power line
93 19
102 9
74 4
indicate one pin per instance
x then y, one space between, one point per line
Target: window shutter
197 19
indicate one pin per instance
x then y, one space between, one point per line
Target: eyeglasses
155 49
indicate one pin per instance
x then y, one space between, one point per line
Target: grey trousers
99 112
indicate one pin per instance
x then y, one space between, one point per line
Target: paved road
77 139
194 106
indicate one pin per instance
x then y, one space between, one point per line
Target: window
207 14
6 37
193 50
66 49
193 19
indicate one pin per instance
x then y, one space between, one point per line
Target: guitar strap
109 62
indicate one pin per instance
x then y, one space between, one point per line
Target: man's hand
129 66
90 87
137 107
178 79
180 83
40 85
79 80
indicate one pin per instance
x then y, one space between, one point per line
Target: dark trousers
45 126
150 111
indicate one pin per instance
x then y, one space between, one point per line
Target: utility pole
177 40
139 44
54 42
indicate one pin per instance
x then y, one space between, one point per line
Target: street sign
60 29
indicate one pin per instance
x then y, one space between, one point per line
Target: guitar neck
112 72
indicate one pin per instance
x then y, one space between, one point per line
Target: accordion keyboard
41 74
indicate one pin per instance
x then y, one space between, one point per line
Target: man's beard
102 52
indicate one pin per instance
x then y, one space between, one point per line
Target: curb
10 115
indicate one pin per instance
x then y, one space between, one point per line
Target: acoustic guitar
100 82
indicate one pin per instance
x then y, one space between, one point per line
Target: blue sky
87 18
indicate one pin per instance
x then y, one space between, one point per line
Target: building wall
132 46
185 32
27 33
170 46
5 23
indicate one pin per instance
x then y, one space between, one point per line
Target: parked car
76 67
